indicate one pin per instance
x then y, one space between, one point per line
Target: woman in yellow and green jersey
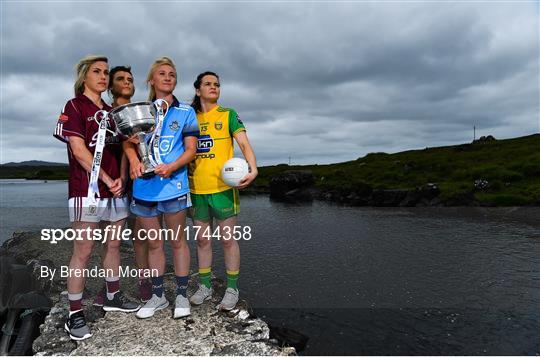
211 197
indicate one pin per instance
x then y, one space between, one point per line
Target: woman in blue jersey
166 193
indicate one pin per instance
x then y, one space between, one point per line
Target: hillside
496 172
34 170
492 172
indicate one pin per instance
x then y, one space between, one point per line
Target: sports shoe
99 300
76 326
229 299
154 304
145 290
201 295
120 303
182 307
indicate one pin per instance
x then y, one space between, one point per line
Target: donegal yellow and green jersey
214 147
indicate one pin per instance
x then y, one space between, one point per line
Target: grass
511 167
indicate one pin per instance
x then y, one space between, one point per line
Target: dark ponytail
196 102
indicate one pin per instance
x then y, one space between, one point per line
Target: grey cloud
348 78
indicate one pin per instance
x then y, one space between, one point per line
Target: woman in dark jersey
121 90
96 189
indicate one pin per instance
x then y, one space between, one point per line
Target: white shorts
104 209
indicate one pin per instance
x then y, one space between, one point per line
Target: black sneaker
120 303
76 327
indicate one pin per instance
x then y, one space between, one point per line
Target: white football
233 171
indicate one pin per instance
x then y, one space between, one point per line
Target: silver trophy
138 118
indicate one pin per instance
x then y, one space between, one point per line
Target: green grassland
34 172
511 168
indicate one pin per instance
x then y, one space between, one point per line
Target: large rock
207 331
426 195
388 198
292 186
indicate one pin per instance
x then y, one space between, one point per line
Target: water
366 280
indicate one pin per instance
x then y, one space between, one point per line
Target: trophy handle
104 116
102 113
144 153
159 104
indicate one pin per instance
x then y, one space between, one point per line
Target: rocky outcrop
298 186
206 332
292 186
427 195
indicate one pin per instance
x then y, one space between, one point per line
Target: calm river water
368 280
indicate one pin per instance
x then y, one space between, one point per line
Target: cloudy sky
319 82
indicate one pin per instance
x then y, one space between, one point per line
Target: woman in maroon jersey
91 202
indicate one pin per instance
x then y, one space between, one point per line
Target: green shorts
220 205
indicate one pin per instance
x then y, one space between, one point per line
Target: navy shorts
148 209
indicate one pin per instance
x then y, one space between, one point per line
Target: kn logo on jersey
204 144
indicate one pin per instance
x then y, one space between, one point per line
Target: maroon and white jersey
77 119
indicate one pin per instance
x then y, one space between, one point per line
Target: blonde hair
81 70
158 62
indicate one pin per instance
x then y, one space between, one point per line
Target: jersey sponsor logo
166 144
174 126
218 125
108 139
204 144
205 156
63 118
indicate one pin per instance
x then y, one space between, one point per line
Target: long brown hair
196 102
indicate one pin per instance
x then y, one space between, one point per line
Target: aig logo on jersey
166 144
204 144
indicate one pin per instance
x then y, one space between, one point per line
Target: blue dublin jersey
179 122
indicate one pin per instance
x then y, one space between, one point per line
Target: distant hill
488 171
34 170
32 163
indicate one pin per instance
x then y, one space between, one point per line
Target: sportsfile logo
204 144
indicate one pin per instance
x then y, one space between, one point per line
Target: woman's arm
85 159
243 142
135 166
190 144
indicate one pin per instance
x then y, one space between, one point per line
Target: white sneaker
182 307
201 295
229 299
151 306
